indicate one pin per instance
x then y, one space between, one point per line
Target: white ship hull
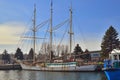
61 69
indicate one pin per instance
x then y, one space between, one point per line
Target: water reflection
38 75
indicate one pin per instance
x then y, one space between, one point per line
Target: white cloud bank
10 35
91 43
10 32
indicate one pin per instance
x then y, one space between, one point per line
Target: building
89 56
95 56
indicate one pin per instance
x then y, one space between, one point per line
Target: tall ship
112 65
55 64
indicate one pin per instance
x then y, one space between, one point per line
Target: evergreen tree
19 54
6 57
52 55
86 51
30 55
78 49
110 41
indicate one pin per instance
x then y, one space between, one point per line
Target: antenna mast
34 32
70 32
51 31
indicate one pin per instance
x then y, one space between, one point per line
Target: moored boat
51 65
112 65
61 67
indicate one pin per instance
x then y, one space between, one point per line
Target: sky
91 18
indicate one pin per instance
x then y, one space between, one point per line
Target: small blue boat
112 65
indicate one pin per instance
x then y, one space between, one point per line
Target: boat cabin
115 54
114 60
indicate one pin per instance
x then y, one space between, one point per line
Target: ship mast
70 31
34 32
51 31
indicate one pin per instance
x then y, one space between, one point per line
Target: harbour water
38 75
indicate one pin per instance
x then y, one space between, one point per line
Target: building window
115 57
119 57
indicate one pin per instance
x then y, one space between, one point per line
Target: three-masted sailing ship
51 65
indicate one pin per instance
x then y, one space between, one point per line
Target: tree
6 57
78 49
58 50
86 51
110 41
52 55
19 54
30 55
66 49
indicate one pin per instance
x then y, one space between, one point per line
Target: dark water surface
38 75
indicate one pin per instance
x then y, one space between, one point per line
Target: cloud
10 32
91 43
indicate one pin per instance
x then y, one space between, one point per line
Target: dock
10 67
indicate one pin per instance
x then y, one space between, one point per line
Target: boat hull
112 74
60 69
